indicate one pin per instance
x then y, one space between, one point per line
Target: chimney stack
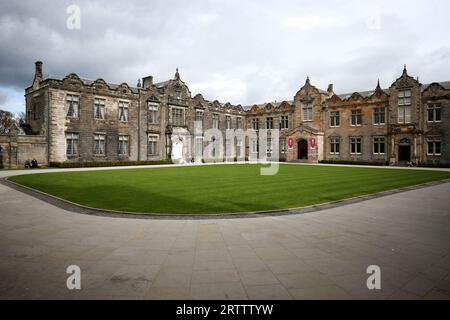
330 88
147 82
38 70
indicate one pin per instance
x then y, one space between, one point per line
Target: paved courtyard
320 254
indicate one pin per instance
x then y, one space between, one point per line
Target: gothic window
269 123
284 123
215 121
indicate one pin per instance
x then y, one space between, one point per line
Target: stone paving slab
312 255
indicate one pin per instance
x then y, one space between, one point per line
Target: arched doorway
404 150
302 149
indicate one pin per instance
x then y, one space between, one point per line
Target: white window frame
238 122
255 124
284 122
379 140
269 120
199 116
307 112
374 115
333 116
73 137
228 122
99 144
215 119
73 101
123 111
404 106
433 141
152 139
123 140
356 114
175 116
433 108
153 110
335 141
357 141
99 105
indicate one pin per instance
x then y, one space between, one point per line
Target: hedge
362 163
434 165
106 163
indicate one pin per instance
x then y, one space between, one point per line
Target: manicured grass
220 188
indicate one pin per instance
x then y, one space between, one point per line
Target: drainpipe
139 124
48 125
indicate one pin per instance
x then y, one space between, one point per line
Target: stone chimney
147 82
330 88
38 70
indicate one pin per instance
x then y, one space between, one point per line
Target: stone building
74 119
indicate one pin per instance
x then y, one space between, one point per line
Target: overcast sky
240 51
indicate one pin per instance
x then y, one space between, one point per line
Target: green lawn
220 188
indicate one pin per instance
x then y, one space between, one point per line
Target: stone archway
302 149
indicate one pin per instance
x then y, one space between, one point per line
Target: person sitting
27 164
34 163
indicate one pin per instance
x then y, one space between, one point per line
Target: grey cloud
239 51
3 97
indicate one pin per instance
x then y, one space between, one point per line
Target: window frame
357 141
72 136
174 116
70 103
333 116
99 137
434 141
307 112
379 114
125 106
335 141
434 108
378 141
152 113
120 141
152 139
357 115
100 103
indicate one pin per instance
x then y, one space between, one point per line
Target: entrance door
404 153
404 150
302 149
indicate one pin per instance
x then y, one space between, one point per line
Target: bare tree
7 122
20 119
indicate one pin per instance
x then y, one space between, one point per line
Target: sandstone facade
408 122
